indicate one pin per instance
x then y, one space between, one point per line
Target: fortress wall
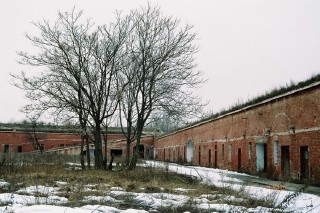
279 138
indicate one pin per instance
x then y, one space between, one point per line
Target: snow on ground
304 202
62 209
12 198
46 199
3 183
44 190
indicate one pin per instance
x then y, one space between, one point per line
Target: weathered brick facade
146 148
116 146
16 141
279 137
67 143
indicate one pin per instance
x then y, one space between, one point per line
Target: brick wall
272 138
15 141
279 138
147 147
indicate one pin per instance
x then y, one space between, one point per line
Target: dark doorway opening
215 156
215 159
239 160
209 157
199 156
116 152
285 161
178 157
6 148
304 162
19 148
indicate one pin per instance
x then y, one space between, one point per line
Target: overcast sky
246 47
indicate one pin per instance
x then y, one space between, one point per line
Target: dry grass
50 171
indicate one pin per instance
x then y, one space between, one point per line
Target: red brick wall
14 139
292 120
55 140
147 142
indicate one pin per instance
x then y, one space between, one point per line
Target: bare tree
81 64
36 138
142 62
159 73
166 122
127 108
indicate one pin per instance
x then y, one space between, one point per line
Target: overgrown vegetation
80 186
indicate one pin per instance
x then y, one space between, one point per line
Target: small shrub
131 187
152 189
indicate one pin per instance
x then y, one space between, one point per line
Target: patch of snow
201 200
62 209
120 193
45 190
116 189
223 178
10 198
182 190
133 211
222 207
260 209
90 188
4 183
99 208
61 183
100 199
233 198
211 196
161 199
303 202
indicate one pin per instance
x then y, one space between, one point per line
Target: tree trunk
110 163
81 153
128 152
105 137
88 151
98 148
134 159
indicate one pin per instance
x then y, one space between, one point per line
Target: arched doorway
189 151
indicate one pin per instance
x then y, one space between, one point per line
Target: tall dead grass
22 170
